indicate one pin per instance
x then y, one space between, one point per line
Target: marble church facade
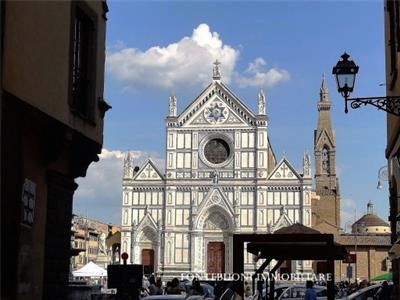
221 177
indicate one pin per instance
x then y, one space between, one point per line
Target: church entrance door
148 261
215 257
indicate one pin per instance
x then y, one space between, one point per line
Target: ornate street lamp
345 73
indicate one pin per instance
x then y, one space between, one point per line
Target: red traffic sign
124 256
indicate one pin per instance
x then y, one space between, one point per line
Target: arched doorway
148 247
214 225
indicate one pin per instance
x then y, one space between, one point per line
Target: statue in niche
325 161
214 175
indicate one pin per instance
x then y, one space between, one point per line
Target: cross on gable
284 168
148 170
216 71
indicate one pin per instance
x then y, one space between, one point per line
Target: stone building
220 177
89 242
369 241
392 152
52 110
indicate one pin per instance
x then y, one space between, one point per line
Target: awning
385 276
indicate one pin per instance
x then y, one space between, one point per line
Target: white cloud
188 61
99 193
255 76
171 66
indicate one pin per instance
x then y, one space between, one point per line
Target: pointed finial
324 103
216 71
324 87
172 105
306 164
261 102
127 164
370 207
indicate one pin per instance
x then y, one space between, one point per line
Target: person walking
386 291
310 292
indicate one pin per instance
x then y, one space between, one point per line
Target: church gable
148 172
216 106
283 171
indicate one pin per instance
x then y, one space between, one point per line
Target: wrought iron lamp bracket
390 104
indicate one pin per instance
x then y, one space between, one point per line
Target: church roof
370 219
296 228
364 239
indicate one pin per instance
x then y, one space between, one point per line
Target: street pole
355 250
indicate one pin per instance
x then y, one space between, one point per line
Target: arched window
325 160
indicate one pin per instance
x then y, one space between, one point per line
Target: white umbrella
90 270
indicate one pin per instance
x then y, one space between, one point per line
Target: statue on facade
102 243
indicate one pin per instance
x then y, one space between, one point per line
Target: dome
370 223
370 220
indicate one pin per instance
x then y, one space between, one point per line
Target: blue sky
156 48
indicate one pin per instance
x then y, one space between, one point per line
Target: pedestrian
154 289
174 289
196 288
310 292
385 291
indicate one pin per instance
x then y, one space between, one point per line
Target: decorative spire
172 105
216 71
128 164
261 103
323 92
306 165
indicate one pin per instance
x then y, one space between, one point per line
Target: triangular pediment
217 106
283 171
283 220
148 172
215 197
147 221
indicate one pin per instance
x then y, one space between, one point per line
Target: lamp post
383 175
345 73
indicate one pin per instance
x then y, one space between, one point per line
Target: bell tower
326 206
